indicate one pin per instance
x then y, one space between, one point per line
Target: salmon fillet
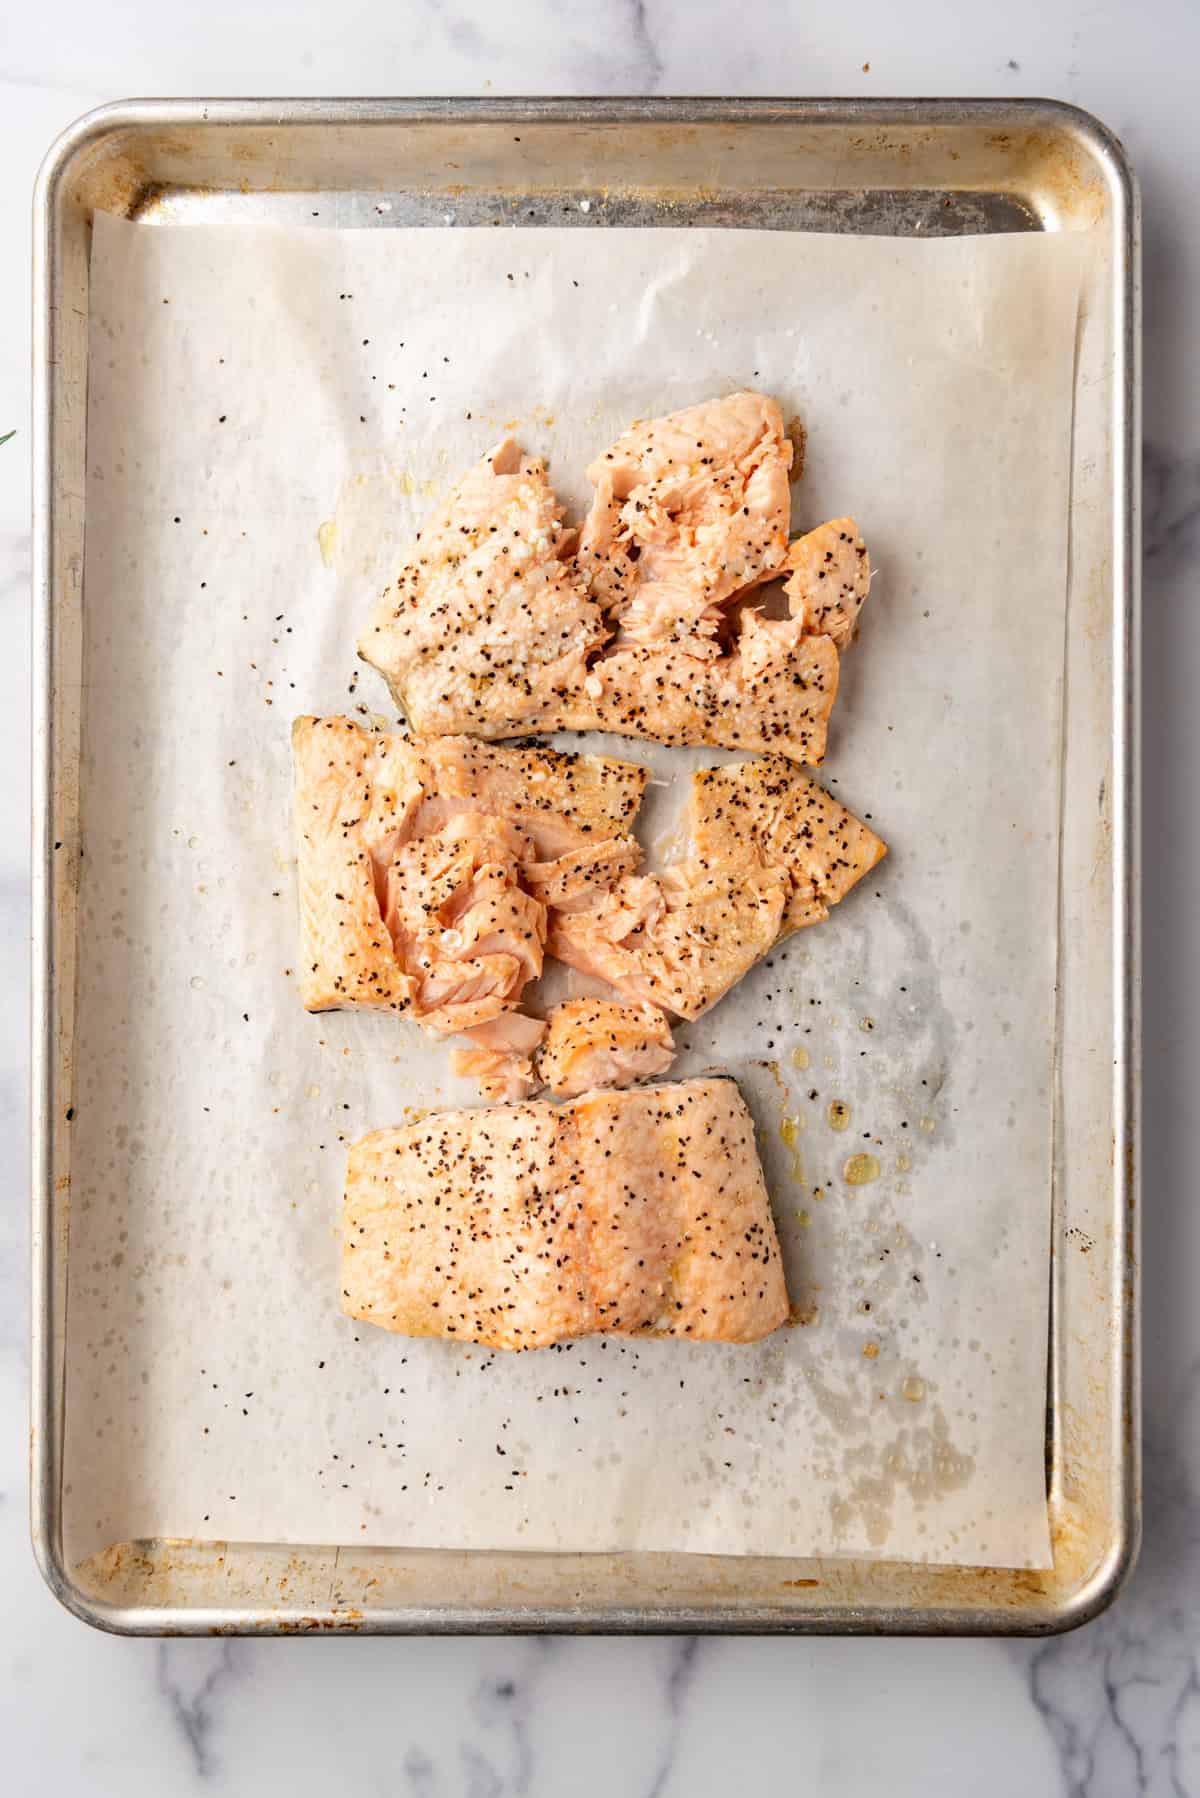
411 858
488 627
591 1043
637 1213
494 628
794 825
689 510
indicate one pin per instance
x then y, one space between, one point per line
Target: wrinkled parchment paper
270 414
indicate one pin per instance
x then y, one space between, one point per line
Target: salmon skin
503 623
642 1213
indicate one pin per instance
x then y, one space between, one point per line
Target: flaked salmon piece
678 940
346 952
829 578
500 1057
593 1043
573 880
689 510
488 627
463 930
771 851
582 1044
794 825
388 826
637 1213
559 800
779 702
766 646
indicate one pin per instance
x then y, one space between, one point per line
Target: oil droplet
927 1125
196 982
861 1169
913 1389
312 1092
803 1219
327 540
838 1114
789 1129
870 1350
193 842
800 1057
407 484
903 1163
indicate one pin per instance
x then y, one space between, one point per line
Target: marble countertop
1113 1709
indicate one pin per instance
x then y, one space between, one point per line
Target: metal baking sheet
901 168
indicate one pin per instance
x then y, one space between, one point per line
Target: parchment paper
270 415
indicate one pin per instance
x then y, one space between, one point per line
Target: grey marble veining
1109 1711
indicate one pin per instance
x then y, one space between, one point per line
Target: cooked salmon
678 940
563 802
829 578
572 880
499 625
592 1043
779 702
500 1056
411 861
462 928
636 1213
797 828
771 851
689 510
488 627
346 955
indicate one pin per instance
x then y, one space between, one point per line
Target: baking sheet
269 415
